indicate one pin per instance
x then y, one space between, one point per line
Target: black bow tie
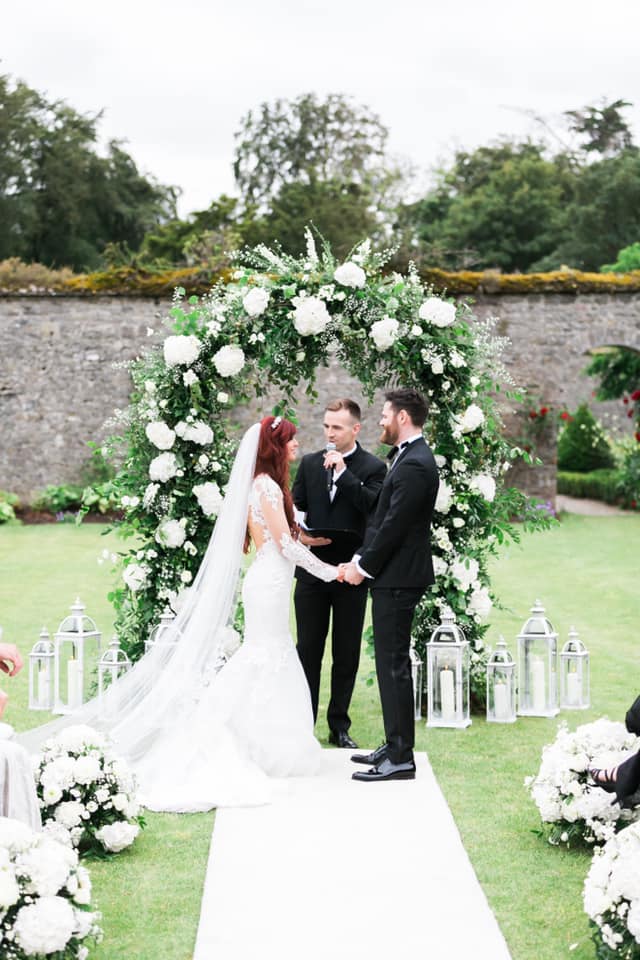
396 450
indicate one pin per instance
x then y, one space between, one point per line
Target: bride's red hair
272 458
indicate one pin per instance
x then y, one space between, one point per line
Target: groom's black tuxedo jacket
397 547
356 496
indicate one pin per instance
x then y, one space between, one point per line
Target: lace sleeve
272 509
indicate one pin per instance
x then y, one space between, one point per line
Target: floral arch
273 324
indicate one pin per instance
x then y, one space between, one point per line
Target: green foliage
629 477
628 259
594 485
7 503
582 445
603 128
618 370
204 237
61 202
56 498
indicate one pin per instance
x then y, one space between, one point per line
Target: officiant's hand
352 575
333 458
313 541
10 659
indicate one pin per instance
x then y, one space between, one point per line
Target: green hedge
597 485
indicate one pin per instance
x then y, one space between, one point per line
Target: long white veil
161 687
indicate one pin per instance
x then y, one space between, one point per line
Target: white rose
163 467
633 921
48 865
189 378
310 315
120 802
457 360
415 331
437 366
51 794
160 435
255 301
209 498
439 566
471 419
465 571
116 836
300 355
181 350
228 361
438 312
484 484
440 460
79 737
480 603
186 576
458 523
384 332
45 926
135 576
222 397
102 795
9 890
444 497
350 275
170 533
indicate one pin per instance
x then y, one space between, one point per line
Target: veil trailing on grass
164 687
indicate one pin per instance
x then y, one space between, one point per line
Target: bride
198 736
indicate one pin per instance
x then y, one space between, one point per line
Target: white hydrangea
87 769
69 813
47 865
310 316
209 498
480 603
135 576
9 889
384 333
437 312
229 360
198 432
612 890
163 467
116 836
465 570
45 926
171 533
444 498
255 302
349 274
160 435
484 484
77 738
181 350
189 378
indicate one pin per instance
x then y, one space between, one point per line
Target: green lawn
585 574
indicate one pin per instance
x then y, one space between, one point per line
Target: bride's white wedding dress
198 736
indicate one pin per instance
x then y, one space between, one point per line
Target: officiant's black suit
356 495
397 554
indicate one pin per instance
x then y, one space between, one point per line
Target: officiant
335 490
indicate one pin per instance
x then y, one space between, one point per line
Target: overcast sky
174 79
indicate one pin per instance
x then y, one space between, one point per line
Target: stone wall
61 376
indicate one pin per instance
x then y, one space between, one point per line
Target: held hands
350 574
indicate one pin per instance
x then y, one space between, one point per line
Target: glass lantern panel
446 669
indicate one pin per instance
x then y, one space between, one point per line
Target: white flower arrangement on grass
611 896
44 897
576 810
87 794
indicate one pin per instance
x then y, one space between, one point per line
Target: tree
60 202
175 241
497 206
603 128
628 259
305 141
582 446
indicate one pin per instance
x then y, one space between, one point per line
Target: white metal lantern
41 661
158 634
501 685
112 664
448 675
537 666
574 674
416 679
73 635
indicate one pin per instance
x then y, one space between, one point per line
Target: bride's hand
341 571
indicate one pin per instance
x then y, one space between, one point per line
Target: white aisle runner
339 870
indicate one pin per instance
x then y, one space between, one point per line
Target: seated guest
18 798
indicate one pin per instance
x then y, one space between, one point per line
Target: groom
396 561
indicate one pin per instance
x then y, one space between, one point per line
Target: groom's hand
352 575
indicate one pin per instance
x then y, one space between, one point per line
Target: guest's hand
352 575
10 659
313 541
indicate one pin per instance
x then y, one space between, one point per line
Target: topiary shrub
582 445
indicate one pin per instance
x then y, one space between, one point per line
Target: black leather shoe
386 770
371 758
340 738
